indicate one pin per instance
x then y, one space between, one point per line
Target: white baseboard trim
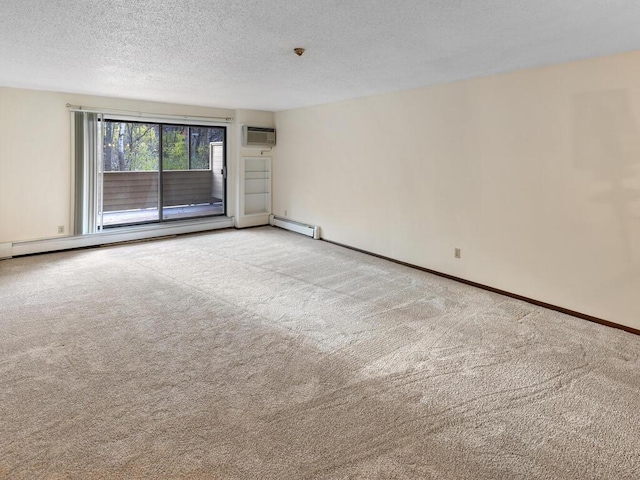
252 220
5 250
312 231
127 234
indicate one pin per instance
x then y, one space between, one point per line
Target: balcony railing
139 190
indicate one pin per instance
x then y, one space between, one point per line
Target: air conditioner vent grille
258 136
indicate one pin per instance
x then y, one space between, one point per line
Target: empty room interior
319 239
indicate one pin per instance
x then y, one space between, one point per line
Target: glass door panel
130 180
189 185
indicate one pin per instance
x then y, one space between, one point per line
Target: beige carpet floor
262 354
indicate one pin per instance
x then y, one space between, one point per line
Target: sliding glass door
153 172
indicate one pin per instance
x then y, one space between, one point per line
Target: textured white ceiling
239 54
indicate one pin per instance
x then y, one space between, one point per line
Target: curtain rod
133 113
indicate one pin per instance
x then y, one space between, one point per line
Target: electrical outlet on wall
60 228
285 213
456 253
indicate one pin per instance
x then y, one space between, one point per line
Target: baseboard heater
312 231
116 235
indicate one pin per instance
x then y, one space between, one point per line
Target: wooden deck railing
136 190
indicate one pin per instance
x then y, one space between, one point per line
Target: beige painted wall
35 156
535 175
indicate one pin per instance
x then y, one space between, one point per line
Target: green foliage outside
133 147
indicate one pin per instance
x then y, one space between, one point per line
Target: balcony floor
145 215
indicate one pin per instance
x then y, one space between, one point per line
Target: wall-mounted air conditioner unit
258 136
